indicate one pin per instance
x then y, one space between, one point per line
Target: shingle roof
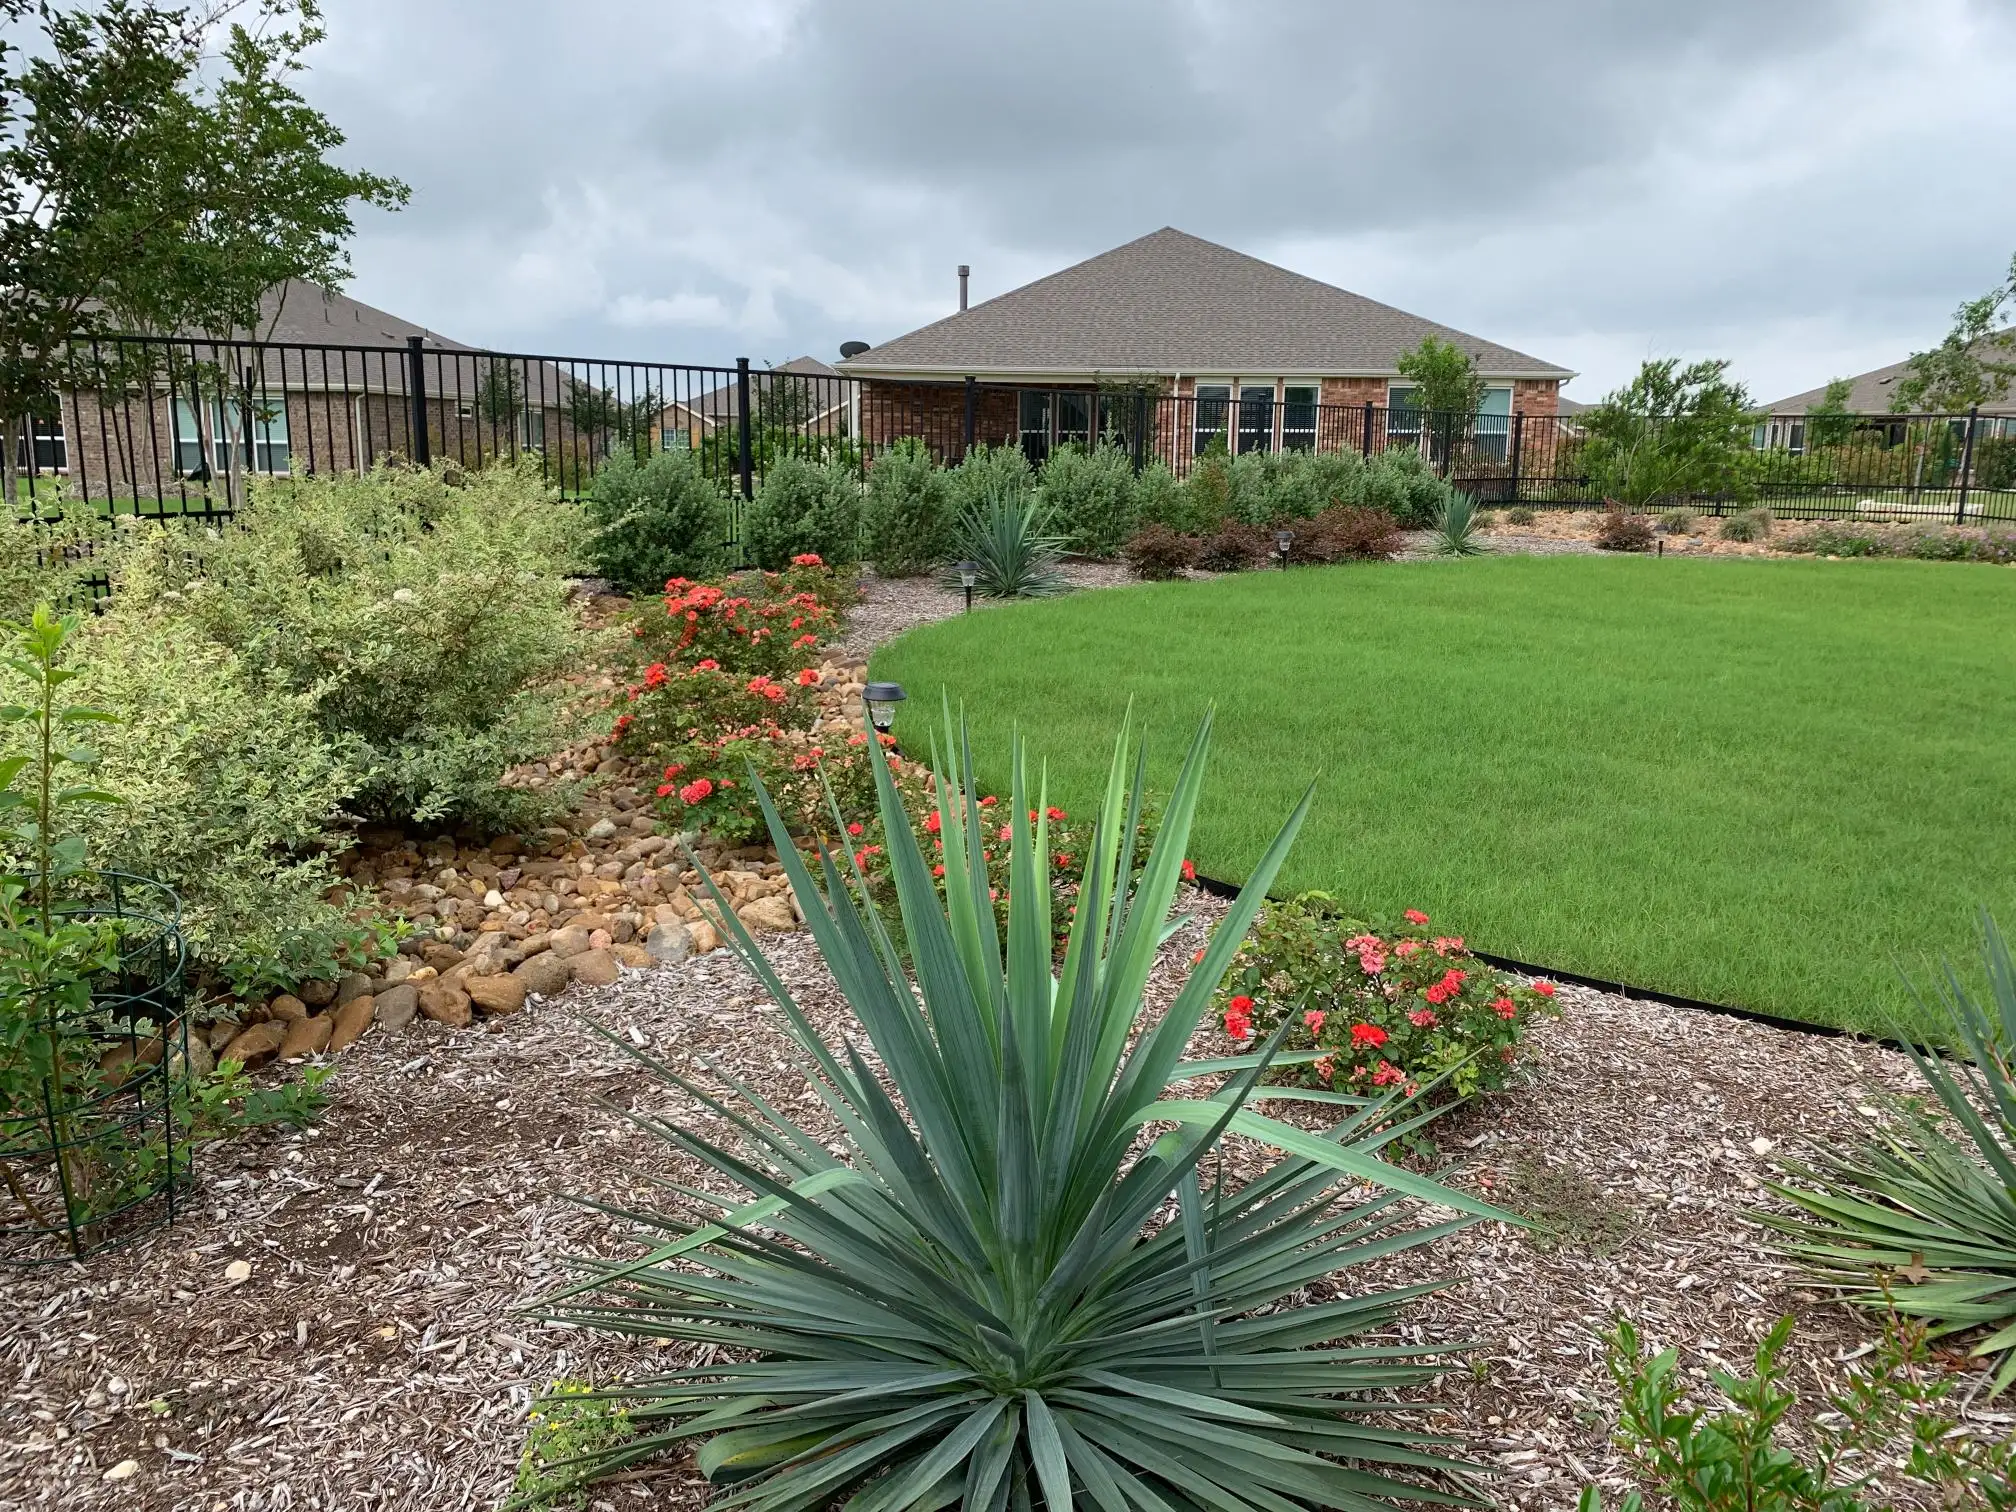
1871 391
1175 303
301 311
724 403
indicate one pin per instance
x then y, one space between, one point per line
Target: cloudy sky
1808 189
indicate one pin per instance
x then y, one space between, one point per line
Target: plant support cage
94 1152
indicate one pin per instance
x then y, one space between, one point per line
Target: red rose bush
1387 1007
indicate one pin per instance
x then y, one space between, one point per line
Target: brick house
805 393
321 385
1229 345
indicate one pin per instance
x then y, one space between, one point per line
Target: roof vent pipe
964 273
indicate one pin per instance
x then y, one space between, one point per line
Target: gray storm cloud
1807 188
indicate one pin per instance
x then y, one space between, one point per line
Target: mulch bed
378 1356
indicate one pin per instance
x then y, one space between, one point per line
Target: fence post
1365 437
1140 432
966 429
416 388
743 465
1966 463
1518 445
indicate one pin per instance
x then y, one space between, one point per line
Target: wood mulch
378 1356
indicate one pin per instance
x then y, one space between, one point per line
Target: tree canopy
159 172
1975 364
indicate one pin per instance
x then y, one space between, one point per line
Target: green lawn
1759 783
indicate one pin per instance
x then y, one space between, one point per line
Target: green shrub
426 623
1836 538
1090 497
1519 515
985 473
1209 490
47 561
649 523
1301 485
804 507
1157 553
1393 1006
1889 1420
1016 1312
906 516
1677 522
1401 483
233 793
1159 499
1995 462
1747 525
1929 1201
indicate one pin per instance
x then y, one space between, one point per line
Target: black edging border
1647 994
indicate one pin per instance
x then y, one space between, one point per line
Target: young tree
1671 432
158 172
1829 422
1975 364
1444 380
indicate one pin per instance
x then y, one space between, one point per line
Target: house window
1492 438
42 447
465 410
674 438
1298 416
1256 417
262 437
1490 432
1074 419
1213 400
1034 425
531 430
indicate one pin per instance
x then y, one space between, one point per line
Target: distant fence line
172 427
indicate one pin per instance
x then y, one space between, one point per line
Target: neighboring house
804 393
321 384
1266 357
1871 394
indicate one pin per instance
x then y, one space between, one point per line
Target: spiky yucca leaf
1456 531
982 1297
1918 1219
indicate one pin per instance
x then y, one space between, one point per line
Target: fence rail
165 427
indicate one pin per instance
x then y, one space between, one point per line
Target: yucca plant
1003 1275
1456 528
1915 1220
1006 535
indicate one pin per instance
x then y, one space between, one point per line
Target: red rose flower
1314 1019
696 791
1545 989
1415 916
1189 870
1369 1035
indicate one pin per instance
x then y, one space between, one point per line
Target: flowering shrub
773 624
1069 839
1392 1007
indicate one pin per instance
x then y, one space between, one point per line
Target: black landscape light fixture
882 698
969 574
1283 539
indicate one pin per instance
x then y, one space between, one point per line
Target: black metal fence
170 427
